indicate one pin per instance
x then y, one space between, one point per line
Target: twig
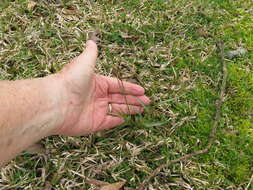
121 86
217 117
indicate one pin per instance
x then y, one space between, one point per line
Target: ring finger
125 109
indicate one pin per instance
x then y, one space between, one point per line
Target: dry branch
217 117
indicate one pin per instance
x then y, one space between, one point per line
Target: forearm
29 111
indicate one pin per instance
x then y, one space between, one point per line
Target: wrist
54 89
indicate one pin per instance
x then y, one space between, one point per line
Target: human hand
90 102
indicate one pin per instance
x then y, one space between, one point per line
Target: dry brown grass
169 48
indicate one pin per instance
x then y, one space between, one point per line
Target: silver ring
110 108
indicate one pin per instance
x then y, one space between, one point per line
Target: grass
169 48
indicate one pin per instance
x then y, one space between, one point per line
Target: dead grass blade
114 186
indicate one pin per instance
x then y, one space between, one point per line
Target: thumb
84 64
89 56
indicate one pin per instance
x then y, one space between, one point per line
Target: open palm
93 102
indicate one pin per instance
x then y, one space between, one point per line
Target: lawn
167 46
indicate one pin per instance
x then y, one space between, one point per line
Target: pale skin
72 102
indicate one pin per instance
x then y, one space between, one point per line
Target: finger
117 86
88 57
84 64
111 121
128 99
91 52
126 109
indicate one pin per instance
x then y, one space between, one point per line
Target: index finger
116 86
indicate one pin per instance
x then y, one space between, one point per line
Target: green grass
171 52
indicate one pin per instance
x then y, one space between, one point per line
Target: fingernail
146 100
140 89
93 37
